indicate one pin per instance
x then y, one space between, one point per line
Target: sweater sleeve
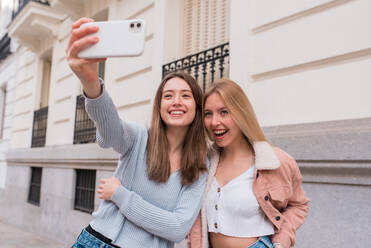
112 132
172 225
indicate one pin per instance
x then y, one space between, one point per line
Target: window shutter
206 24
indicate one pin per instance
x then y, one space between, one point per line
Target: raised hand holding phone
92 42
124 38
85 69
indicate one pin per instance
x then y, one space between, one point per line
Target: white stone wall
24 99
7 79
307 61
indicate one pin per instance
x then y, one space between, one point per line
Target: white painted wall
24 99
303 61
7 79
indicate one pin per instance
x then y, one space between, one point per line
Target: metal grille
85 190
205 66
35 186
101 69
40 120
20 4
4 47
84 127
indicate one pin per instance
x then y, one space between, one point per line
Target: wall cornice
337 152
64 156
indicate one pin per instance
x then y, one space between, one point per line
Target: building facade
7 79
305 66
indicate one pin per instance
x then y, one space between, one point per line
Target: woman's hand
85 69
108 187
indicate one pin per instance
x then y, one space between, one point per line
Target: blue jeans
262 242
86 240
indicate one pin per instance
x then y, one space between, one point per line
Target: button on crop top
233 210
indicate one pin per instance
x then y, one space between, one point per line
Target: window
2 109
85 190
101 68
206 24
85 130
205 41
35 186
40 120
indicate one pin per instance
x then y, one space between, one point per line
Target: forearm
92 90
173 225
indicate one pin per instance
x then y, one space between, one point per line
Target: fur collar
265 157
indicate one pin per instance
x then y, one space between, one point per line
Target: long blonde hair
240 108
193 160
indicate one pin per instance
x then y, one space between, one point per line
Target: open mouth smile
176 113
219 134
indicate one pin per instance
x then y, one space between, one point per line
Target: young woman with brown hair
157 188
254 196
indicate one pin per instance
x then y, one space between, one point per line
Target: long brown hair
240 108
193 160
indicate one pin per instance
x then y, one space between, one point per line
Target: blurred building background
305 65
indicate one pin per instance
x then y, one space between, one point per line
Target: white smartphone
116 39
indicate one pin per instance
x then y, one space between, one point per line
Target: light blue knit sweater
142 213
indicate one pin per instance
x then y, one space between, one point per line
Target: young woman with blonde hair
254 196
157 188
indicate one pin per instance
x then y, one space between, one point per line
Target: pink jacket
277 187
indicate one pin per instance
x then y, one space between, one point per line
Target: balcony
4 47
84 127
22 3
205 66
34 22
40 121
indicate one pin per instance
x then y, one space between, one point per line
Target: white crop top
233 210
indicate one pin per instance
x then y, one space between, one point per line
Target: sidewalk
13 237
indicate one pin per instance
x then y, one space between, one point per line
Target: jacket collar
265 157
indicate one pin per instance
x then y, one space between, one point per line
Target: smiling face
178 107
219 122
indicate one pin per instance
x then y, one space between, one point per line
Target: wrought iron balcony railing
20 4
40 120
84 127
4 47
205 66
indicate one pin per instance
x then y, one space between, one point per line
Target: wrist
93 90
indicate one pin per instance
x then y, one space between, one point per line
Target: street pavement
13 237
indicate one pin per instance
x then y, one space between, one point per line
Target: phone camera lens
139 25
132 25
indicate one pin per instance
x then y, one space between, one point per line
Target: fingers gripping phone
116 39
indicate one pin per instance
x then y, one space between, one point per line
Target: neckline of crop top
249 174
